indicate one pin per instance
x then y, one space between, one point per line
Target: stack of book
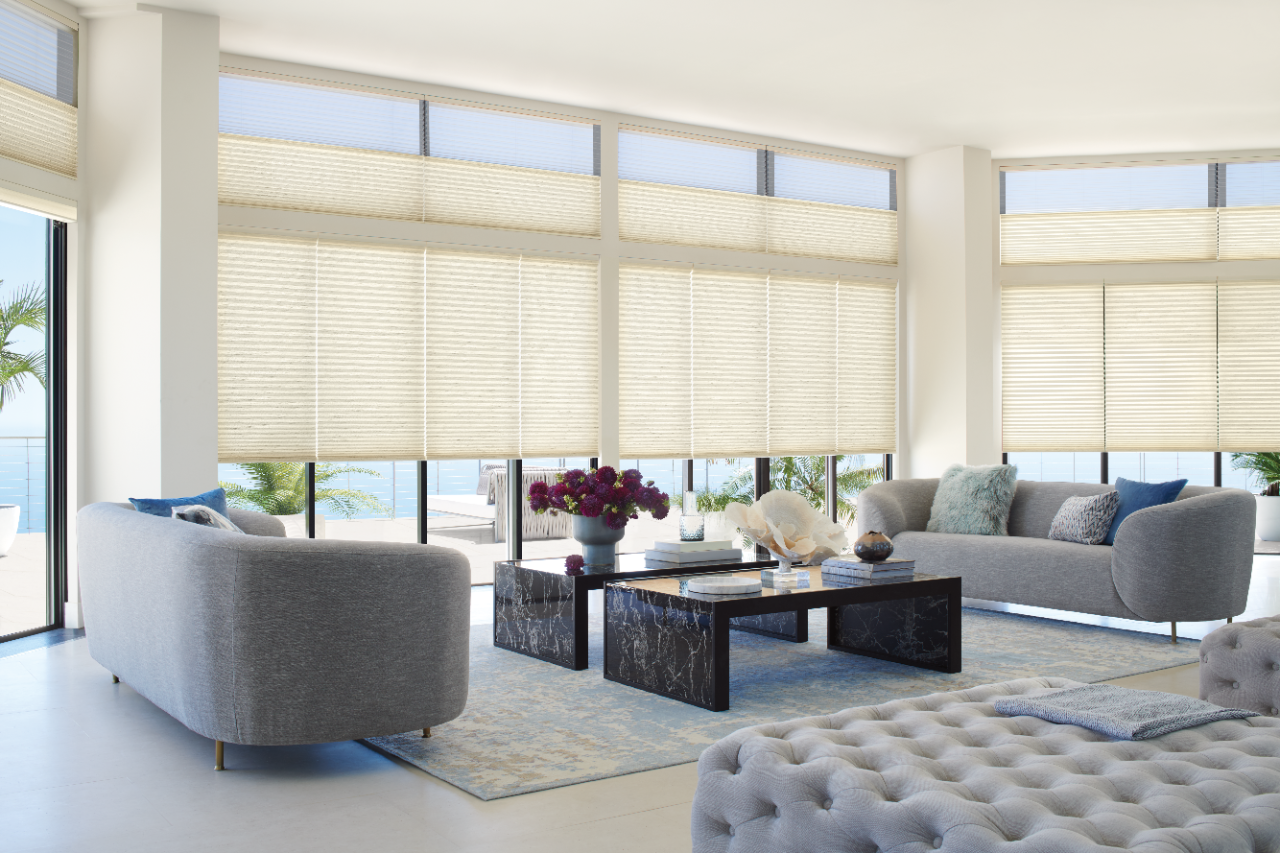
852 567
675 553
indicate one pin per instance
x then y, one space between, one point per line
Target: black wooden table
662 638
540 609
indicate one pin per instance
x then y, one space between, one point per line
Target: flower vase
597 540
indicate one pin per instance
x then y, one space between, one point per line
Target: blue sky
22 260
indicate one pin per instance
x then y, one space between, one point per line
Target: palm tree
24 308
804 475
1265 468
280 488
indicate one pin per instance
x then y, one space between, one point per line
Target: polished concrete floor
87 765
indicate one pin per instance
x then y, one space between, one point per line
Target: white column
949 314
149 320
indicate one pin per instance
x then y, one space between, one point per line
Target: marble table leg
922 631
790 625
679 650
540 615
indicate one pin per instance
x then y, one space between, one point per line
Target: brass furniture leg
1173 632
426 732
1228 620
217 756
115 679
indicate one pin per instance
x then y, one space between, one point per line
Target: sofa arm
1187 561
896 505
256 523
335 639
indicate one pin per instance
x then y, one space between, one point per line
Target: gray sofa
258 639
1187 561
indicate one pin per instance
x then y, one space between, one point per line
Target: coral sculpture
792 530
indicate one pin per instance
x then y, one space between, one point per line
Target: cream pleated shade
344 351
1248 366
1248 233
1052 368
287 175
1109 236
717 363
1161 367
38 130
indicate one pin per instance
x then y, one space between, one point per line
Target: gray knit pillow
1085 519
974 500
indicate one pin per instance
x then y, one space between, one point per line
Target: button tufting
777 811
1275 712
731 830
1235 685
826 804
1238 645
1275 666
937 842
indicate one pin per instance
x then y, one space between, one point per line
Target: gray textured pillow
1085 518
205 517
974 500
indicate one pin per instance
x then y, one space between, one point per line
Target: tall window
38 117
30 573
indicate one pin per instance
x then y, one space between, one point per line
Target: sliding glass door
32 479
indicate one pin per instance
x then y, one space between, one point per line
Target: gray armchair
258 639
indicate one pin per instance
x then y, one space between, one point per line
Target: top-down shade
332 351
38 120
711 366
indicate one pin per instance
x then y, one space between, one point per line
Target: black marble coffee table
540 610
661 638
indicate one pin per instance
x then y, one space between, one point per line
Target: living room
678 428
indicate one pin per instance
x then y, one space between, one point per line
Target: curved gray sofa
1186 561
258 639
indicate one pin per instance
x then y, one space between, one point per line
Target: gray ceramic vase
597 541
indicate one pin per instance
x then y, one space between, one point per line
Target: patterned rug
531 725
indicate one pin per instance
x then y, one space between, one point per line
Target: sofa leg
426 732
1173 632
115 679
217 756
1228 620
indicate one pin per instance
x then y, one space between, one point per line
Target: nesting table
540 609
660 637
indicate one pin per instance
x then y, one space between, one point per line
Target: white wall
150 212
948 314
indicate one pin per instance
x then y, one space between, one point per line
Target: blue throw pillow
215 499
1135 495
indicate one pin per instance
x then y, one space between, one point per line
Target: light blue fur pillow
974 500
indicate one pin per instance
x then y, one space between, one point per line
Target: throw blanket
1119 712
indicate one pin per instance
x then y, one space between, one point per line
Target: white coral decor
789 527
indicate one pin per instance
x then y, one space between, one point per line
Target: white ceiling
1023 78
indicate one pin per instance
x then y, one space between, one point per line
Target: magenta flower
607 475
591 506
604 492
557 501
559 490
583 490
573 477
574 563
537 487
614 521
621 495
633 474
660 511
539 503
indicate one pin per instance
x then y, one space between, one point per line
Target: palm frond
1264 469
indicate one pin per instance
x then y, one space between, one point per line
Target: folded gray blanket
1119 712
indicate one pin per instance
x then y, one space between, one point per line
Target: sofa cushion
215 499
974 499
1135 495
1035 505
1085 519
1019 570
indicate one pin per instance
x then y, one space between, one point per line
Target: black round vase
873 547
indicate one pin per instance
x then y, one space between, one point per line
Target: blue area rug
531 725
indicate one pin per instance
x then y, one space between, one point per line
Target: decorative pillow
1136 495
215 499
1085 518
974 500
206 517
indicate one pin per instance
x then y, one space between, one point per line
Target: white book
681 557
681 547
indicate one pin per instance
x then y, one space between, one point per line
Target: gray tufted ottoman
1240 666
947 772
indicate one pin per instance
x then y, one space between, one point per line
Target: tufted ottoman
1240 666
947 772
